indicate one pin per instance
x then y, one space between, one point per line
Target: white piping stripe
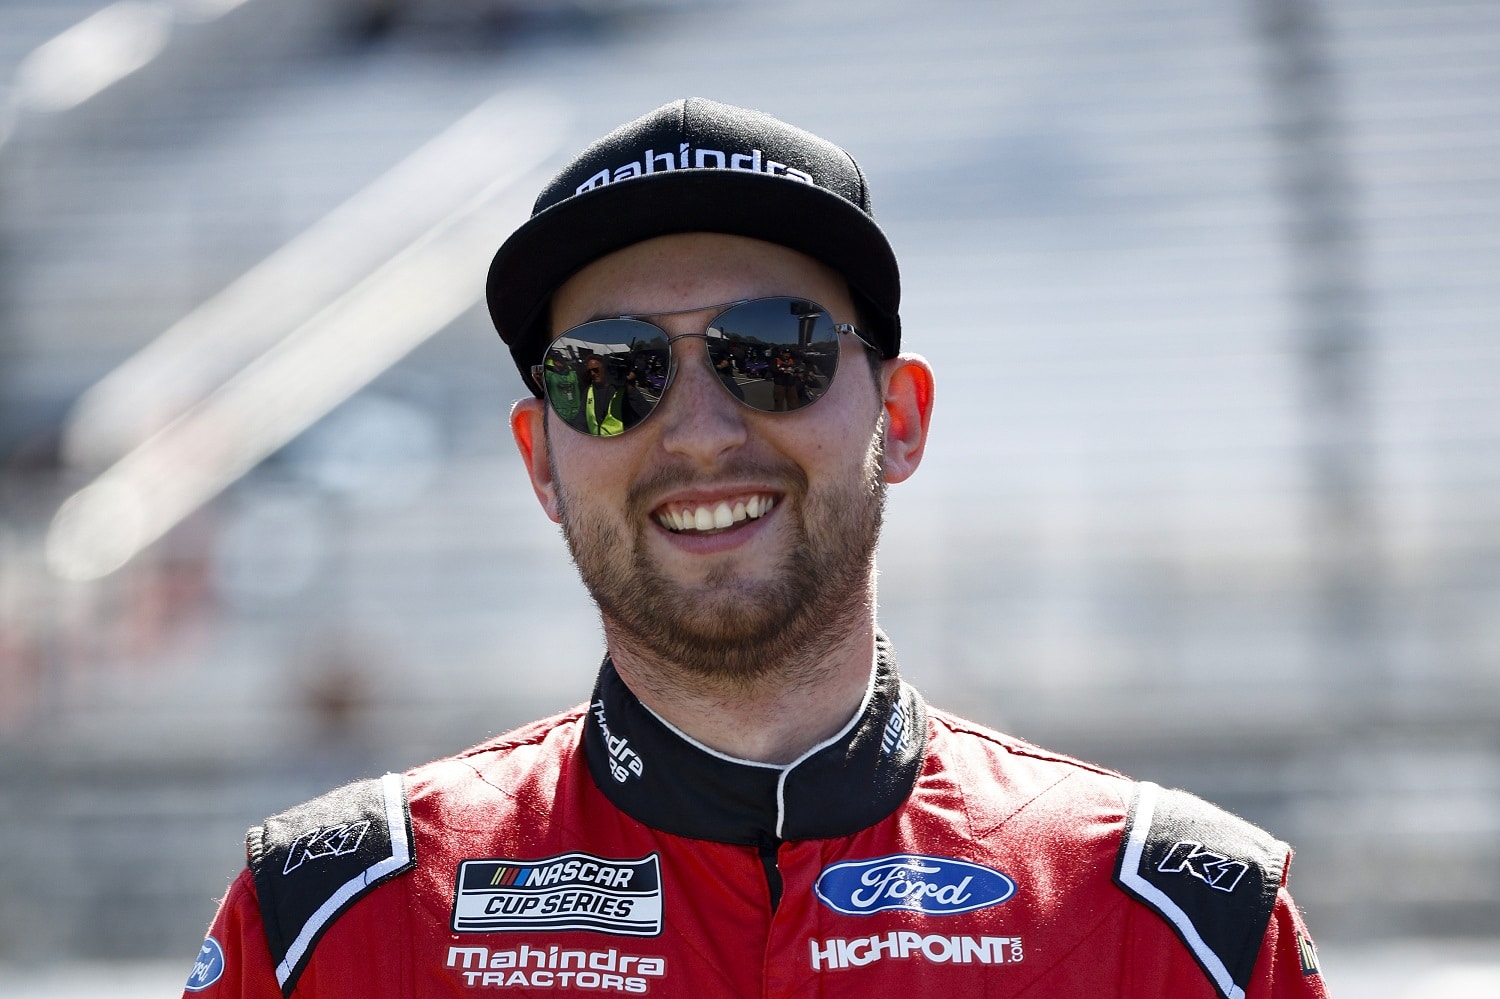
859 713
1145 809
709 749
395 816
784 768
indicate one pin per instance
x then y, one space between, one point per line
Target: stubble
736 628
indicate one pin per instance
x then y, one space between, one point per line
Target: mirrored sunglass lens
775 354
603 378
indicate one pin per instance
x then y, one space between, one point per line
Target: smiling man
752 802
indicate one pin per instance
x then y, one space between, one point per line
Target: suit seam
1017 748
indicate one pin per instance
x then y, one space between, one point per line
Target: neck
771 718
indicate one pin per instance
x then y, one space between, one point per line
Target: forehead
693 270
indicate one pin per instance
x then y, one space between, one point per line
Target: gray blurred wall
1211 496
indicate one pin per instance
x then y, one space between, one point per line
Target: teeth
716 517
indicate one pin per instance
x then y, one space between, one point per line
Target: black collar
655 774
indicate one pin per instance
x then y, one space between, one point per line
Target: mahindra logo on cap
937 886
689 158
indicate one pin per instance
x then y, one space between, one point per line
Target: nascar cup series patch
572 891
936 886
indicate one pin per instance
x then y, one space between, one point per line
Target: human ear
528 419
907 384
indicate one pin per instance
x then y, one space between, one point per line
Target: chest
913 906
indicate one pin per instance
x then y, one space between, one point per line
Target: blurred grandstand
1213 496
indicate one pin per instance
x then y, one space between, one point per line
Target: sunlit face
730 541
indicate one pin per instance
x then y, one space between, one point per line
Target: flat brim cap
695 166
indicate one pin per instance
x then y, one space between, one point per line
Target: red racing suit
602 852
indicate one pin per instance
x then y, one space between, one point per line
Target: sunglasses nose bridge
690 368
681 351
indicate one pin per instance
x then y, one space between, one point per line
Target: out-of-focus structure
1213 496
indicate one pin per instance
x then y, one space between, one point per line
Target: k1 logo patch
1213 869
325 841
937 886
572 891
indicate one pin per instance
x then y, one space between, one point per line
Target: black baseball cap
695 166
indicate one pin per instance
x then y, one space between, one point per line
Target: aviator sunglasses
775 355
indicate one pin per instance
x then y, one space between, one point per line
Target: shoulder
1210 874
1051 819
995 767
525 759
311 863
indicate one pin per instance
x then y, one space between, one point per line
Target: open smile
690 517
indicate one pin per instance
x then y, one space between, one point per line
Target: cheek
833 436
586 468
844 421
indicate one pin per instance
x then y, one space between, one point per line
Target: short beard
732 630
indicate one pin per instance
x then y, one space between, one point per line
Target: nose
700 420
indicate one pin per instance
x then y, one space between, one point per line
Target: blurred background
1213 494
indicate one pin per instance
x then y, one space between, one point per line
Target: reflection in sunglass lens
604 377
774 354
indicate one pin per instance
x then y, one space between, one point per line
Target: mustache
784 474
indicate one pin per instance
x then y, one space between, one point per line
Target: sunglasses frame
538 370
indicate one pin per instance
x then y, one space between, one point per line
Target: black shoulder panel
312 862
1211 875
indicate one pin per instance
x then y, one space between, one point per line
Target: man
752 803
609 409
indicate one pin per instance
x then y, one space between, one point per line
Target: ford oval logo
209 967
937 886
